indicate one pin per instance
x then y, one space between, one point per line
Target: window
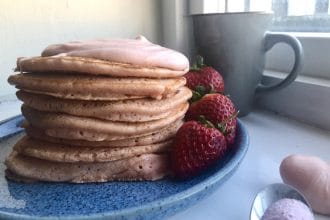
290 15
307 15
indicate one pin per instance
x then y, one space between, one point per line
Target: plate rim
177 197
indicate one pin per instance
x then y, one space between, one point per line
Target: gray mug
235 44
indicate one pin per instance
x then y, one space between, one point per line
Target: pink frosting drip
137 51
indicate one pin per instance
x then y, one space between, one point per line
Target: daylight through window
290 15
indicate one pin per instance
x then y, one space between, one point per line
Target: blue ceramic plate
114 200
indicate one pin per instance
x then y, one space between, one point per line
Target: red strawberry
195 148
219 110
201 75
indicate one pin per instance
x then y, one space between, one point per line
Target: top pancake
85 87
113 57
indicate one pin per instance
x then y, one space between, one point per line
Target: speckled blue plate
115 200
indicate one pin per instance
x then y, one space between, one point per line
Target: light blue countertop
272 137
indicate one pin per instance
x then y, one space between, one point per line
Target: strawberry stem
201 90
197 64
199 61
203 120
195 96
194 67
198 93
222 126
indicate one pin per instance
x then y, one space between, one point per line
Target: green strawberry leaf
199 61
197 64
222 126
195 97
203 121
198 93
201 90
194 68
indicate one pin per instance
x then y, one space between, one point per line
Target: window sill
311 35
306 99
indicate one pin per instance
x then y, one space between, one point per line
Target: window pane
289 15
211 6
303 16
235 5
261 5
298 8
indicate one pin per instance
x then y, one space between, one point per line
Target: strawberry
195 148
219 110
208 77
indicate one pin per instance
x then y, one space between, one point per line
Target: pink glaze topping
137 51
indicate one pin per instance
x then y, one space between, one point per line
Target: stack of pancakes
99 111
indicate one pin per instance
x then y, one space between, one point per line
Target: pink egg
311 176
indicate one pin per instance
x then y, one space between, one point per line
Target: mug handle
270 40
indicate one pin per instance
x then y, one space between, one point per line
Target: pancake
95 87
114 57
114 97
70 154
138 110
74 127
12 176
153 138
143 167
98 111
